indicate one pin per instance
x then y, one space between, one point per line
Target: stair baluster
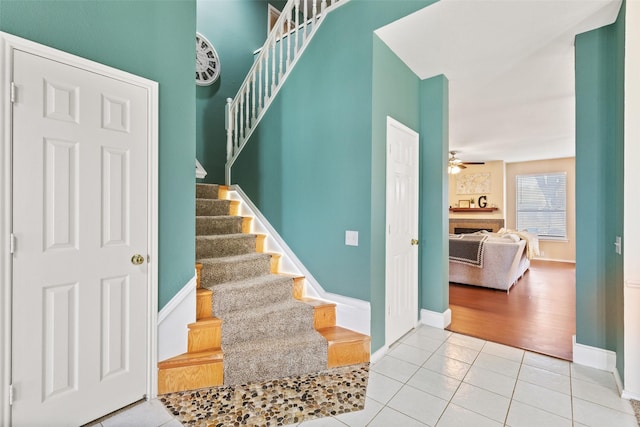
247 108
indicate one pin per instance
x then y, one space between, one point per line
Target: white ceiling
510 65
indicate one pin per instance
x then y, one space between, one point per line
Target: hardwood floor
538 313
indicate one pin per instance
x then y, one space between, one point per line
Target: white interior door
79 322
402 231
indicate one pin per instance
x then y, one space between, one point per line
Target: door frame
395 123
9 43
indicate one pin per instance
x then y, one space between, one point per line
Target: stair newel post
296 14
236 127
229 124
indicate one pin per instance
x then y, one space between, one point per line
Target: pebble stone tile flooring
437 378
277 402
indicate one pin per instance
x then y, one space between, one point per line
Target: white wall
631 241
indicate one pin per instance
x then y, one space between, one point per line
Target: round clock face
207 62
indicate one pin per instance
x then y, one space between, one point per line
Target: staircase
298 22
252 322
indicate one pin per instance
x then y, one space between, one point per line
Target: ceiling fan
456 165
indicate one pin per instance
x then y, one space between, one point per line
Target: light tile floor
438 378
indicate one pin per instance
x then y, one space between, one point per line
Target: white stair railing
290 35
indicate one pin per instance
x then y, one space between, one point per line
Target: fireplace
465 230
472 224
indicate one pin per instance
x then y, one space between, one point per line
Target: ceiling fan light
454 169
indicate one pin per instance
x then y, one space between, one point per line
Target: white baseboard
173 320
375 357
630 395
351 313
616 376
594 357
435 319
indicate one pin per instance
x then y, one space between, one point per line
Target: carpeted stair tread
222 224
222 245
212 207
249 293
272 320
207 191
233 268
272 358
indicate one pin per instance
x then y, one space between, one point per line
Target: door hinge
11 391
12 243
12 92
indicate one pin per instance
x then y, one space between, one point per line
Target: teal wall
599 187
153 39
400 102
434 203
236 28
314 165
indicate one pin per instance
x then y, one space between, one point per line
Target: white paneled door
402 231
79 323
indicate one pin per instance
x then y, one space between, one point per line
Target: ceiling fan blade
473 163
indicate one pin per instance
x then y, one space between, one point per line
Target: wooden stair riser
198 275
324 316
247 222
324 313
189 371
193 377
346 347
223 192
275 263
204 300
298 287
260 242
234 207
348 353
204 335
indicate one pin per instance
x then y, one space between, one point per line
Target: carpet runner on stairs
266 333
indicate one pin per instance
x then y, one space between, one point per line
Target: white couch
505 261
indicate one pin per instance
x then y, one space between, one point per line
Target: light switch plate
351 238
618 245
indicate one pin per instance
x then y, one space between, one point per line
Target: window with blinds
541 204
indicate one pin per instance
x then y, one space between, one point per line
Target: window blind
541 204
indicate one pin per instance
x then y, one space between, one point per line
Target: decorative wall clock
207 62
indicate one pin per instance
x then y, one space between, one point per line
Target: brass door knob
414 241
137 259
